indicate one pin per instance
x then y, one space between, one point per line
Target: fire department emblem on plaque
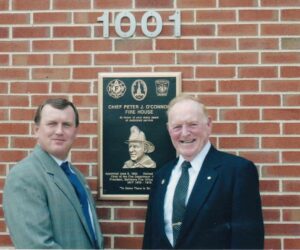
116 88
139 90
162 87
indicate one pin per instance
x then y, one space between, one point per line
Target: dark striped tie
179 199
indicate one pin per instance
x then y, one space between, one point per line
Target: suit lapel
162 189
202 188
63 183
76 203
66 187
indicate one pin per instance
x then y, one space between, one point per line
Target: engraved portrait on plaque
138 148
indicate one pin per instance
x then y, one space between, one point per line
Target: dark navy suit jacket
223 211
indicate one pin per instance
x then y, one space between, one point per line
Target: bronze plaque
133 137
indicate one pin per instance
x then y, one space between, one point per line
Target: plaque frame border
101 77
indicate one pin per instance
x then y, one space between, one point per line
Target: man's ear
35 129
209 123
76 131
145 148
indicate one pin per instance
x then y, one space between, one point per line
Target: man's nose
59 129
185 129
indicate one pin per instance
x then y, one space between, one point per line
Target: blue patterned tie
179 199
82 196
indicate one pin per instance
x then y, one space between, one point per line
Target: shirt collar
58 161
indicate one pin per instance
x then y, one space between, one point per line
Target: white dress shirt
175 175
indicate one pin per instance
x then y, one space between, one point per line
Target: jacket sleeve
26 212
247 221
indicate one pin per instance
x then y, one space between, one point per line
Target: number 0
132 24
144 22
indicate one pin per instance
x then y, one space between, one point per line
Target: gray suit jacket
41 207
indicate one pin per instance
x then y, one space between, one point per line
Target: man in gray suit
47 203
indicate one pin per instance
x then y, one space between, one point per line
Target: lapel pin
162 182
208 177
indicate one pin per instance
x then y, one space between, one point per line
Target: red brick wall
241 56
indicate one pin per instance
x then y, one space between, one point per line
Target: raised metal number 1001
144 23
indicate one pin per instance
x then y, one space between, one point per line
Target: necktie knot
186 165
65 167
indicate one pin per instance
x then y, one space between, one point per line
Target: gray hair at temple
58 103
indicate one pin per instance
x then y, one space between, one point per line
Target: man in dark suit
204 199
47 202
